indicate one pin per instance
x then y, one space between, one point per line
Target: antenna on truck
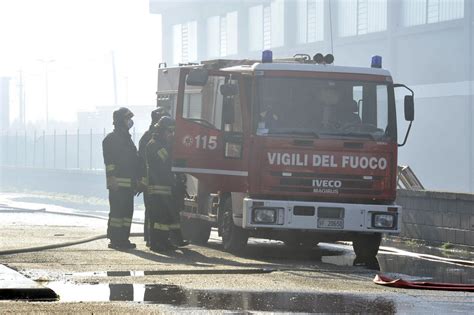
330 27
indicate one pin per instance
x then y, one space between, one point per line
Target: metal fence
57 149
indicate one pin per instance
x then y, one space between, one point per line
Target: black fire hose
65 244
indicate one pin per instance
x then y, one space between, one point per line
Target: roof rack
223 63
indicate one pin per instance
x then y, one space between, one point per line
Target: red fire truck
297 150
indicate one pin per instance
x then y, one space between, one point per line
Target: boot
177 238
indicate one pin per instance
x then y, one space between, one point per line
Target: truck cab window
204 105
316 107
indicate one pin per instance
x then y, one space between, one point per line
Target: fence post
65 149
8 148
34 149
26 149
77 148
16 148
44 149
90 149
54 148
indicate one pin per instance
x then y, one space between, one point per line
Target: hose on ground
59 245
53 246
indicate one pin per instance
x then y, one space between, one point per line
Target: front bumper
320 216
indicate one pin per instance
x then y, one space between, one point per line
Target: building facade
426 44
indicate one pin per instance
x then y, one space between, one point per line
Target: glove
140 187
112 183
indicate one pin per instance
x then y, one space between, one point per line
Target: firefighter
339 109
160 184
155 117
122 170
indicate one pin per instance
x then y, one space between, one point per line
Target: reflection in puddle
221 300
138 273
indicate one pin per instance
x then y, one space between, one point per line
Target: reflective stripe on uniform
161 227
163 154
115 222
174 226
124 182
110 167
159 190
127 222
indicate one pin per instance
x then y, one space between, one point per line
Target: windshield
318 107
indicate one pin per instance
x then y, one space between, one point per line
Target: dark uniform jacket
142 152
121 158
160 177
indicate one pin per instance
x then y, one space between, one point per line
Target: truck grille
308 182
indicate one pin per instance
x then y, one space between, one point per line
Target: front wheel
367 245
234 238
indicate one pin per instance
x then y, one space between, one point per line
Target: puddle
141 273
222 300
413 267
433 270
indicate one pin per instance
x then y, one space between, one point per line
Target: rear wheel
234 238
367 245
195 230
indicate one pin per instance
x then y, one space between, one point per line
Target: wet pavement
266 277
223 300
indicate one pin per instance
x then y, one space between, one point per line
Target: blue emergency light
376 62
267 56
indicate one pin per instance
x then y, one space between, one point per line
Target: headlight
383 221
264 216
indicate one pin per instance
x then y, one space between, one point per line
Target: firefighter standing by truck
122 171
155 117
161 180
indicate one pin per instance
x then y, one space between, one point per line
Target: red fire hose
400 283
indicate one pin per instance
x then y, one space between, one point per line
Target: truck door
209 140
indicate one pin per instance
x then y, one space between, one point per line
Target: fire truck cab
297 150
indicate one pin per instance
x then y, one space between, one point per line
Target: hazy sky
74 40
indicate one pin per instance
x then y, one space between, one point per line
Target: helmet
158 113
165 123
121 114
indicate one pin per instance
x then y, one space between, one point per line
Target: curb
15 286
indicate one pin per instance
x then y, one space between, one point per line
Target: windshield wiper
294 132
350 134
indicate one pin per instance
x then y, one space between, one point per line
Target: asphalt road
267 277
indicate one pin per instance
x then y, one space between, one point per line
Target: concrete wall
437 217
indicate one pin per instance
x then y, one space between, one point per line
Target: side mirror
197 77
409 108
229 89
228 113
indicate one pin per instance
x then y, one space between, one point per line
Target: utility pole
21 100
114 77
46 63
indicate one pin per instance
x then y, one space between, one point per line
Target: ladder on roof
407 179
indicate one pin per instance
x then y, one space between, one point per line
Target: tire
367 245
195 230
234 238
